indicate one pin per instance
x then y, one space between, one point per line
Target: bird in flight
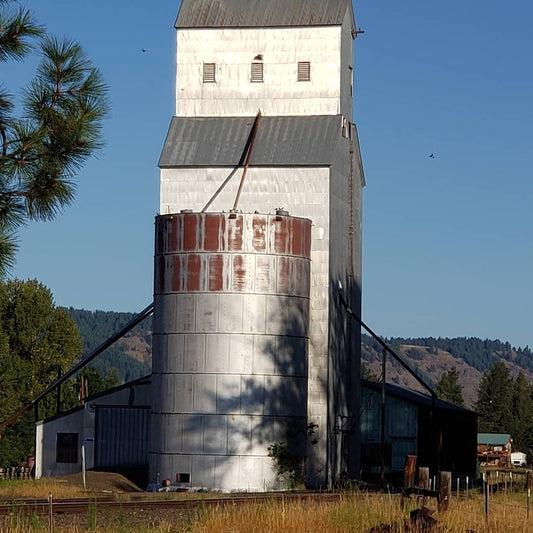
432 156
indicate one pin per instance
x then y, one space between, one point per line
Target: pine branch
64 106
15 31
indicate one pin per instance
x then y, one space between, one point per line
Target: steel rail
81 505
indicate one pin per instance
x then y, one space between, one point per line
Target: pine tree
494 404
522 415
58 129
449 388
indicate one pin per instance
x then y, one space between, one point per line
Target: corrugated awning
281 141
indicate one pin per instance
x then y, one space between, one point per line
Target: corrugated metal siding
122 436
231 343
280 141
259 13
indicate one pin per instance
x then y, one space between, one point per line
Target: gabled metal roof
416 397
280 141
493 439
262 13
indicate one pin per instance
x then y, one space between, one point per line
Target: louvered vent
209 73
257 73
304 71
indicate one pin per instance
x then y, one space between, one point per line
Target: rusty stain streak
189 229
216 282
259 237
280 235
264 274
235 238
239 274
193 273
265 254
211 232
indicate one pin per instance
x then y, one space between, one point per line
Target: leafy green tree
494 404
58 129
37 340
449 387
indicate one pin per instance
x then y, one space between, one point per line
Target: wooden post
423 477
529 480
409 472
486 484
445 490
423 481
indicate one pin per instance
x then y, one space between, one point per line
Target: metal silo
230 345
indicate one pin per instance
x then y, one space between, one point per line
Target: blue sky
447 240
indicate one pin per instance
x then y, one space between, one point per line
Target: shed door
122 436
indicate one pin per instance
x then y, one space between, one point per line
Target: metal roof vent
281 213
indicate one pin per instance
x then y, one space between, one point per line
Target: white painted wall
81 421
45 449
233 51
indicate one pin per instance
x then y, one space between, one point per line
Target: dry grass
38 488
361 512
355 512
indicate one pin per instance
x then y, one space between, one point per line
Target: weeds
92 515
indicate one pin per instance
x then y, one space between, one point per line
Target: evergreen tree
95 381
449 388
367 374
522 415
494 404
59 128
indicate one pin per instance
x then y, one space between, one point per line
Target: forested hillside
432 357
131 356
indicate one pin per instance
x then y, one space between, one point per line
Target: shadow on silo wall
263 410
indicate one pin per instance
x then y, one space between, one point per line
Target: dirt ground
102 482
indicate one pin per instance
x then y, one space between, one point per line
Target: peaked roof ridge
262 13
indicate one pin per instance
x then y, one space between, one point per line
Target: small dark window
67 448
183 478
257 73
304 71
209 73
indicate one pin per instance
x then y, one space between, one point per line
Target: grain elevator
259 229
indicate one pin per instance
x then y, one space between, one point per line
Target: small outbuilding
441 435
111 431
494 449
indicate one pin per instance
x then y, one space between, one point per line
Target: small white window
256 73
304 71
209 73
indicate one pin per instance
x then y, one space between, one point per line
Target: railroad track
81 505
